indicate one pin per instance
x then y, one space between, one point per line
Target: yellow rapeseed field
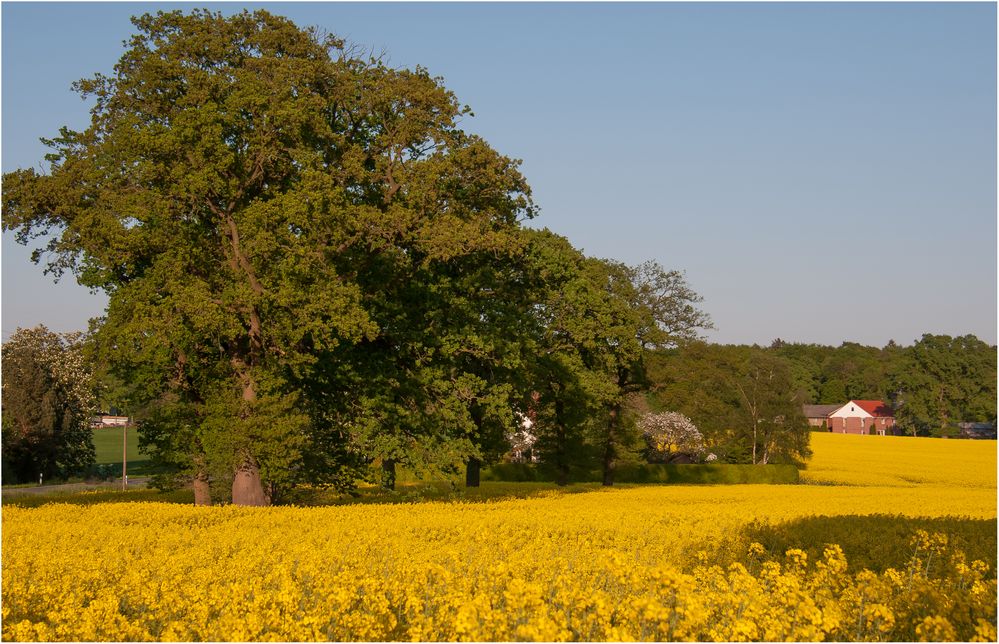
901 461
634 563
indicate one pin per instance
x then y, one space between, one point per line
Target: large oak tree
249 194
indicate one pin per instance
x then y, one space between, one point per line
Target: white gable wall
850 410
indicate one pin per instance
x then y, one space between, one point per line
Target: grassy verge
91 497
411 492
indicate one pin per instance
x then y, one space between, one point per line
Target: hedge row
710 474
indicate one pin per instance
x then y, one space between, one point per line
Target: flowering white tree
670 434
48 400
522 442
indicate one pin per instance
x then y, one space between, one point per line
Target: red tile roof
875 408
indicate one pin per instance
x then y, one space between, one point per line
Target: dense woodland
313 270
932 385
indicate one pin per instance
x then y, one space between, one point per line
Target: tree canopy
942 381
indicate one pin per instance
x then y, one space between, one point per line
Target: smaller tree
771 418
671 434
48 400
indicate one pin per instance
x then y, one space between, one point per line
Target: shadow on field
875 542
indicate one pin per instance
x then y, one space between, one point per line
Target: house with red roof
862 417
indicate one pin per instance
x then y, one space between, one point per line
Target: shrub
512 473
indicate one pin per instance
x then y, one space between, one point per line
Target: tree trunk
609 464
473 466
472 471
388 473
609 448
202 492
247 488
561 457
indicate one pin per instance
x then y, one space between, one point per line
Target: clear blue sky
822 172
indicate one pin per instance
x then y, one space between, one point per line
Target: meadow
108 448
886 538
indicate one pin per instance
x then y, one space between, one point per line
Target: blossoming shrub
670 433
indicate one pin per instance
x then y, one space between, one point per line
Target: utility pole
124 457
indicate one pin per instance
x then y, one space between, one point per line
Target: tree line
737 404
312 267
932 386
